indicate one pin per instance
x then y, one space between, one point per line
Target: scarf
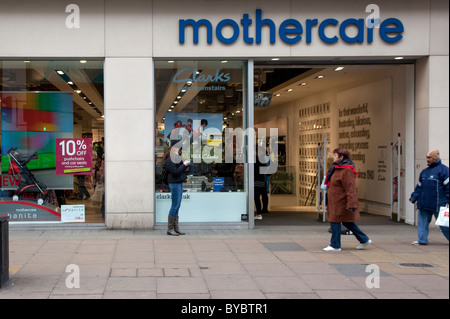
345 163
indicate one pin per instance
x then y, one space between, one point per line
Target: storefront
364 77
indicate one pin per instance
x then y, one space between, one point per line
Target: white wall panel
128 28
38 29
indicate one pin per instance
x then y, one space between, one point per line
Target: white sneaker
329 248
364 245
258 217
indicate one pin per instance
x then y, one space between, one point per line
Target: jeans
176 190
423 221
336 233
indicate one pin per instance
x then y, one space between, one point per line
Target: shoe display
329 248
364 245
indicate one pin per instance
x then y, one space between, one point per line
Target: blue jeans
176 190
336 233
423 221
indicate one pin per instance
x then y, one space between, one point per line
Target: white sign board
72 213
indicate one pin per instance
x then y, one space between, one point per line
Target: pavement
268 262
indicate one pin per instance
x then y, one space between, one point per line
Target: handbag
442 219
164 177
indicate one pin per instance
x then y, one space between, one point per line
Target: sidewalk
274 262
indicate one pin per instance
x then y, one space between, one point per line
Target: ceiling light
70 83
27 61
277 94
83 61
289 90
275 59
60 72
171 61
303 83
339 68
78 91
224 61
319 77
398 58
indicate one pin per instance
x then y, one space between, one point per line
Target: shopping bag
442 219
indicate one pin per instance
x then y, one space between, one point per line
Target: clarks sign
292 31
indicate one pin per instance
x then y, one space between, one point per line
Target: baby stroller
28 183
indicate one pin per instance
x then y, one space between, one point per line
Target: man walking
431 192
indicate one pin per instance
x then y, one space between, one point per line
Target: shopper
260 187
176 167
431 193
343 200
82 189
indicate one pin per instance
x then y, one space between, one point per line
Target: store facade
166 61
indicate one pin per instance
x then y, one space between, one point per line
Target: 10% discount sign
73 156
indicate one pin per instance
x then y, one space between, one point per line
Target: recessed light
275 59
319 77
224 61
60 72
398 58
303 84
27 61
289 90
78 91
170 61
278 95
339 68
70 83
83 61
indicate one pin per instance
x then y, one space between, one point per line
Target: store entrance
318 108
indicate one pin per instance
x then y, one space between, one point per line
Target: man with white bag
431 193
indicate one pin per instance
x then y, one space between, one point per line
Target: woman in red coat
343 200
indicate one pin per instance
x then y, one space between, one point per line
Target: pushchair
18 160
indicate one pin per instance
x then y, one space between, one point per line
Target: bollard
4 250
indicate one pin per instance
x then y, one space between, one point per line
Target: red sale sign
74 156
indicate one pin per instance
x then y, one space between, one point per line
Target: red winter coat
342 194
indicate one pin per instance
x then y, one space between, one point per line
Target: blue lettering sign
195 76
290 31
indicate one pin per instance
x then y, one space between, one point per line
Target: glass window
201 104
52 131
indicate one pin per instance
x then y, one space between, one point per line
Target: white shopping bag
442 219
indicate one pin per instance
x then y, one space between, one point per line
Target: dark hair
342 152
203 121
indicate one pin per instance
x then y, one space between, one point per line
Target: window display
196 103
52 141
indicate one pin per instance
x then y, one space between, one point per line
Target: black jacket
177 170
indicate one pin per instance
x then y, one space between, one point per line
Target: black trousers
261 195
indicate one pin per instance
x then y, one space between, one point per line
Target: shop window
52 133
199 102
